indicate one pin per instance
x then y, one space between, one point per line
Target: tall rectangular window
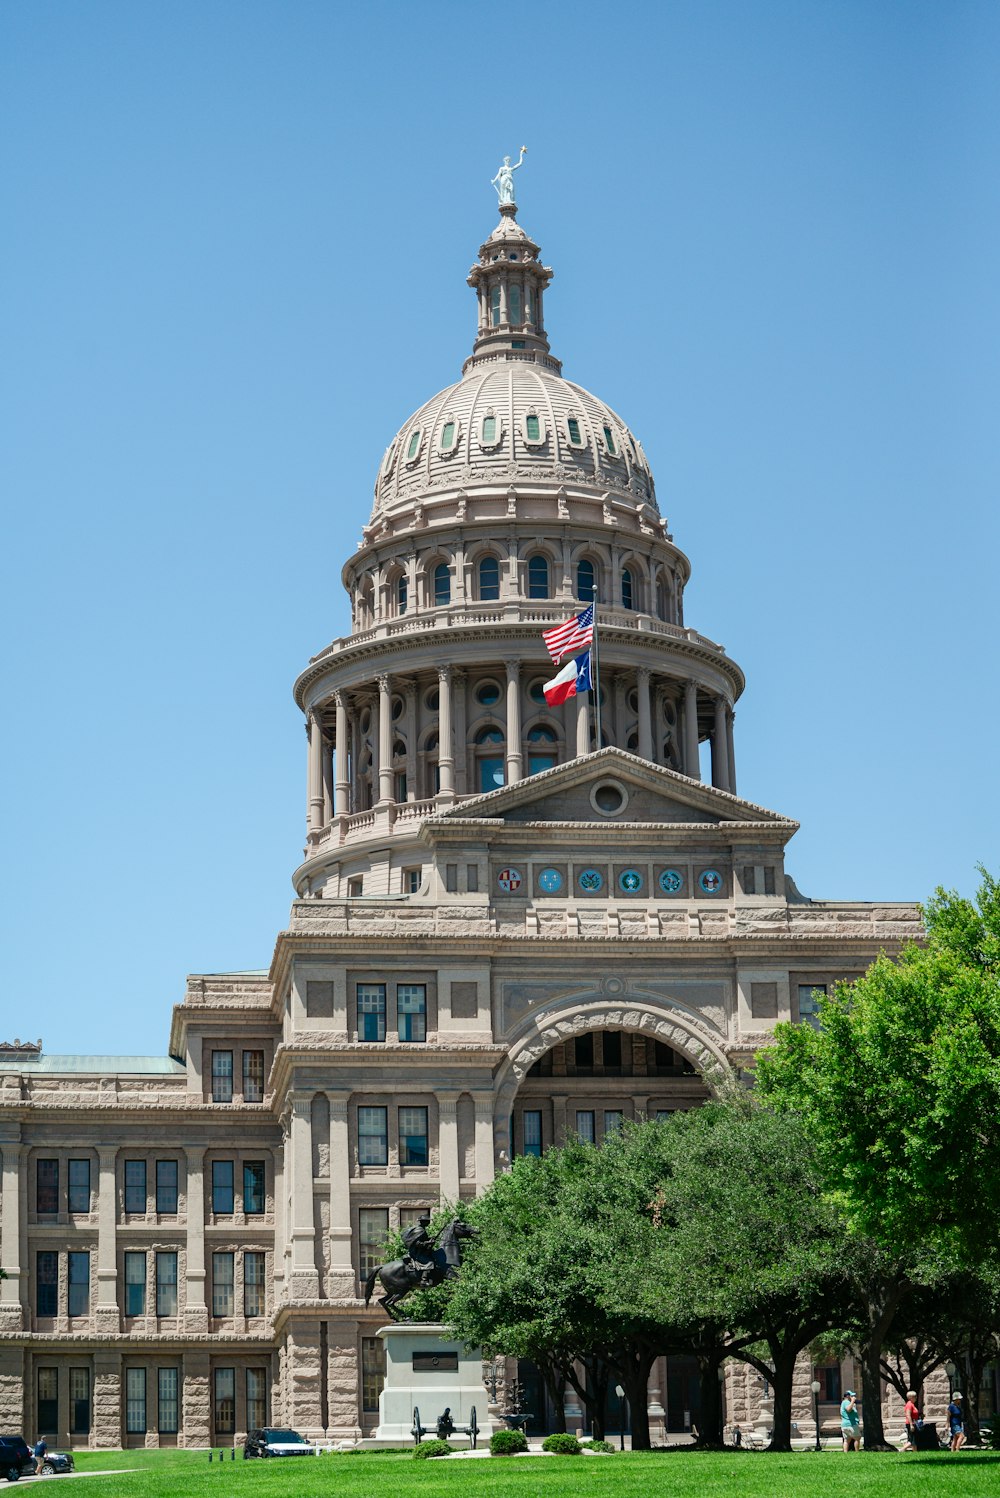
373 1136
253 1076
46 1283
47 1186
611 1048
224 1389
166 1401
78 1195
135 1401
613 1120
78 1303
253 1287
79 1401
223 1189
411 1010
135 1284
371 1011
222 1076
135 1186
373 1230
48 1401
531 1130
809 997
256 1398
413 1136
166 1187
585 1125
166 1284
222 1284
253 1187
372 1372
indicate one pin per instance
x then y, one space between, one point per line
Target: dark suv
276 1441
15 1457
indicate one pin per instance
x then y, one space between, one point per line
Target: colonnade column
645 725
485 1167
720 747
514 758
342 1274
730 715
410 716
384 739
107 1318
341 785
459 733
446 744
315 773
195 1304
449 1165
305 1277
10 1236
692 767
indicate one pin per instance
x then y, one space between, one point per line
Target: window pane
372 1372
583 1053
373 1230
514 304
586 580
135 1284
809 997
166 1401
626 589
531 1129
135 1401
256 1398
222 1284
585 1125
413 446
612 1047
609 438
489 580
79 1284
489 429
166 1186
373 1140
225 1401
413 1136
166 1284
79 1186
532 428
371 1011
253 1284
46 1283
48 1401
539 762
495 306
491 774
411 1009
538 577
253 1187
613 1119
222 1076
448 435
402 594
223 1190
442 584
135 1185
574 429
47 1185
79 1401
253 1076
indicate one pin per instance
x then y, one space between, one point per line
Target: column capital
643 673
107 1154
195 1156
409 688
513 668
383 682
443 671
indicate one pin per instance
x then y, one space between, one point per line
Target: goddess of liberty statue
504 179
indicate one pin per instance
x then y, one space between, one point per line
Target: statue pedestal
426 1370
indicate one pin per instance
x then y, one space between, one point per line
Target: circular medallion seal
630 881
671 881
591 880
509 880
550 881
711 881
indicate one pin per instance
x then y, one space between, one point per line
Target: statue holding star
504 180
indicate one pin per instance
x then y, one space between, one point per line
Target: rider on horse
422 1250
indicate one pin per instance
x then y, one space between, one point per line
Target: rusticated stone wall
107 1416
197 1400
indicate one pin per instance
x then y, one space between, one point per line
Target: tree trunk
593 1392
710 1419
871 1407
633 1372
784 1371
555 1383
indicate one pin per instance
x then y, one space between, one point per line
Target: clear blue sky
234 256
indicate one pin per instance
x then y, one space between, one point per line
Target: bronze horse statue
400 1276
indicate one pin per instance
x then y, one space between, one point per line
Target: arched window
586 580
495 307
489 580
627 602
514 304
432 772
538 576
491 764
541 749
402 593
442 584
662 605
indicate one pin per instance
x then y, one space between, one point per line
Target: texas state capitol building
502 933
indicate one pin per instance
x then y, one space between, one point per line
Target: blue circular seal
671 881
592 880
711 881
630 881
550 881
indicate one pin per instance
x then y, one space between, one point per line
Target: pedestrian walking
850 1421
956 1422
911 1416
40 1452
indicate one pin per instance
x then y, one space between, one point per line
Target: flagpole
596 674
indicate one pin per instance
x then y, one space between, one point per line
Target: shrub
991 1432
563 1444
508 1442
598 1446
432 1448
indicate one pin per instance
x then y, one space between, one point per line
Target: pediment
582 791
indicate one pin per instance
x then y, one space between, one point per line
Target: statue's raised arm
504 179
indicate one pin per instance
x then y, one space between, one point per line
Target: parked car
15 1457
276 1441
57 1461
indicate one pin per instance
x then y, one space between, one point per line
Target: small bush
508 1442
432 1448
991 1432
563 1444
598 1446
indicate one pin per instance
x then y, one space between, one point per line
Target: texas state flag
573 679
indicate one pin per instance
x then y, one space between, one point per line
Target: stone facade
508 928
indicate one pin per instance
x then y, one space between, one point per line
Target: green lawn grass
674 1474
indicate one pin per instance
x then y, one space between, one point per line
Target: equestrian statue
427 1262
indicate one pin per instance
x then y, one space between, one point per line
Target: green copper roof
162 1066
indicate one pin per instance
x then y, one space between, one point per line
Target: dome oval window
442 585
538 577
533 428
449 436
573 428
413 446
487 693
609 797
397 709
609 439
535 691
432 700
489 580
488 434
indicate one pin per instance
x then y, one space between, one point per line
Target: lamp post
621 1415
815 1389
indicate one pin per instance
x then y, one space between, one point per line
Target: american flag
576 634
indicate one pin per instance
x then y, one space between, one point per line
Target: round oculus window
671 880
630 881
609 797
592 880
711 881
550 881
488 693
